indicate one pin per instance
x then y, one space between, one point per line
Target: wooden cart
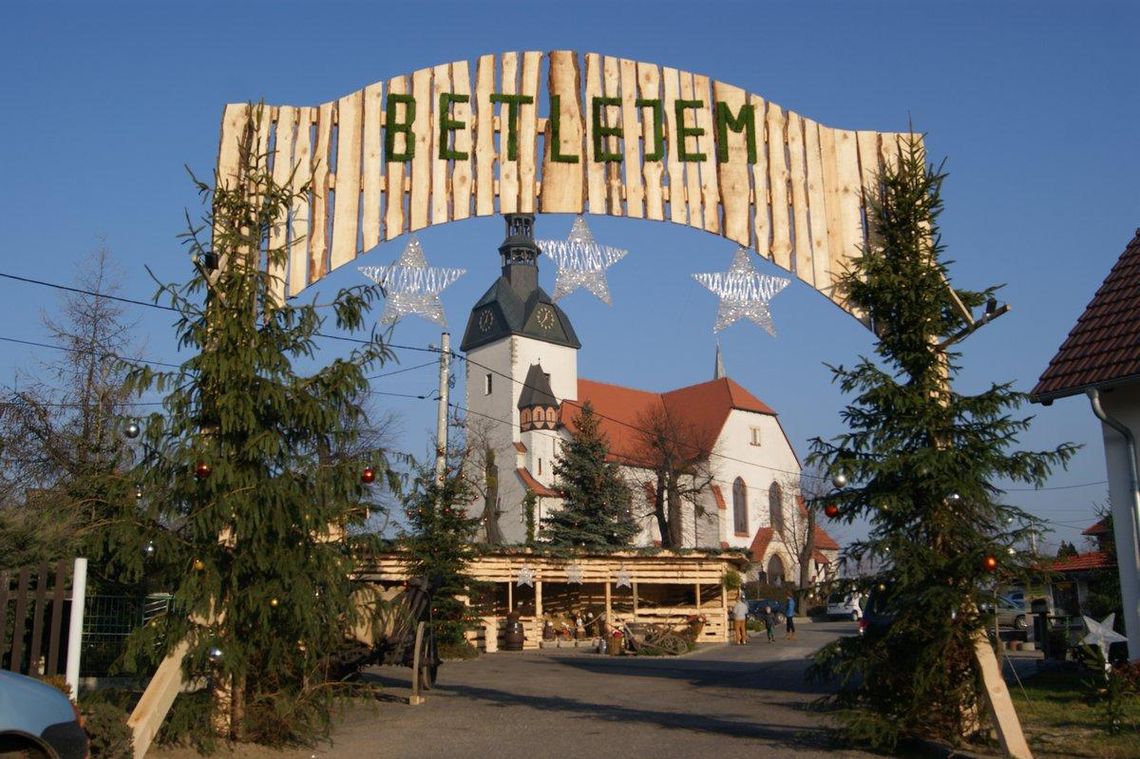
654 639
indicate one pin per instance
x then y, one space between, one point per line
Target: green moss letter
448 124
745 119
601 132
684 132
393 126
513 102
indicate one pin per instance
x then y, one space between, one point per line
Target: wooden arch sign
619 137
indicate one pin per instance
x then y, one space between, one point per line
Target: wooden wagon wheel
672 644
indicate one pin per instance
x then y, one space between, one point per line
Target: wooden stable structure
665 588
562 132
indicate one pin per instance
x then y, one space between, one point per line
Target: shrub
106 726
461 650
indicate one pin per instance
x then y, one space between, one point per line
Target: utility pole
441 414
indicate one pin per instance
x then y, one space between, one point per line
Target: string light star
526 576
624 578
744 292
574 574
1101 635
581 262
411 286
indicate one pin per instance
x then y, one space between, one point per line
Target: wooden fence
32 601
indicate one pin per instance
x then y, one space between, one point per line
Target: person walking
769 623
740 620
790 615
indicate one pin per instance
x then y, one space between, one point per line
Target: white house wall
1124 404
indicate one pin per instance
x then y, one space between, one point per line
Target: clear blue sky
1035 104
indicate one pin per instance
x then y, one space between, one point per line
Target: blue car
38 720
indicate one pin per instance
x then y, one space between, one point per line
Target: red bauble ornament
990 563
368 476
831 510
201 470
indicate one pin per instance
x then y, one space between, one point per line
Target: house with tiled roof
1069 576
524 396
1100 359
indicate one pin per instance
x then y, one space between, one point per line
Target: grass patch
1064 717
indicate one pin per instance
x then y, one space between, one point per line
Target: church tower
522 360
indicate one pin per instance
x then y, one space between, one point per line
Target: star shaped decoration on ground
526 576
574 574
411 286
1101 635
624 578
744 292
581 262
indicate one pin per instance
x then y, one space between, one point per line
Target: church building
524 396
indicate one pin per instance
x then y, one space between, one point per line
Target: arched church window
551 415
740 507
776 570
524 417
776 507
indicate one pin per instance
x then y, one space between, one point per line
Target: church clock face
486 320
545 317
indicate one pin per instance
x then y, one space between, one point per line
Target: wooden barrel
514 637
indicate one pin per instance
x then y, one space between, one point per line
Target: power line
87 351
81 291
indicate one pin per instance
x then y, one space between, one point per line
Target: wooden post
416 699
634 584
609 615
538 599
510 596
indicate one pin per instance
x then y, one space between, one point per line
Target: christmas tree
919 464
252 487
596 500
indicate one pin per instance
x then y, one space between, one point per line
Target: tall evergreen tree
249 513
596 500
441 543
922 462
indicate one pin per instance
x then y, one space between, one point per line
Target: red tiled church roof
823 541
1100 528
760 543
622 411
536 486
1104 346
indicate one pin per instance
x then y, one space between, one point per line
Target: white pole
75 625
441 416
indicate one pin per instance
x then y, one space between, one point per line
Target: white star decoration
624 578
526 576
411 286
1101 635
574 574
581 262
744 292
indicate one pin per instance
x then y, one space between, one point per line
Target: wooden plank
279 235
150 712
732 175
43 572
508 169
234 120
797 173
56 632
870 166
346 199
322 154
817 209
562 181
420 198
832 194
461 167
692 168
611 87
649 88
595 171
373 167
18 621
710 191
998 702
484 137
761 200
394 217
678 208
631 130
778 188
440 191
302 209
528 133
850 197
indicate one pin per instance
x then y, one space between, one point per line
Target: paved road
717 701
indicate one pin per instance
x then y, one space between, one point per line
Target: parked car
36 719
877 614
1009 613
756 609
845 605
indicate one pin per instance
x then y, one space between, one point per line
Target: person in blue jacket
790 614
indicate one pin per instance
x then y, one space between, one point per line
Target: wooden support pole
538 599
634 584
416 699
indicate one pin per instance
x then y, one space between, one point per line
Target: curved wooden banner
620 137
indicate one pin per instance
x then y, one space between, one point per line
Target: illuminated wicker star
411 286
526 576
744 292
1101 635
574 574
581 262
624 578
